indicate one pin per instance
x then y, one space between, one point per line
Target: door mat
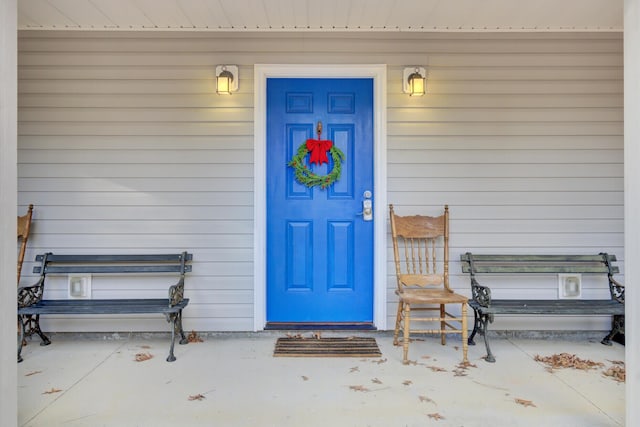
327 347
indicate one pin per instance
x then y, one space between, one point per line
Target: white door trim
379 74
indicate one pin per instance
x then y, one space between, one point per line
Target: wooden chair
423 279
24 227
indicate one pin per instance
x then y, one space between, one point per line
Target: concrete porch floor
95 381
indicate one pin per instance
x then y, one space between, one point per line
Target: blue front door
319 245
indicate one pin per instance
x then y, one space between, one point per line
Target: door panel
319 250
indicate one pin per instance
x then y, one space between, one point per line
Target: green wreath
305 176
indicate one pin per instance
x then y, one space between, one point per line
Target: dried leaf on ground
437 369
459 372
145 346
466 365
376 381
294 336
407 382
305 378
566 360
435 416
194 337
426 399
616 362
380 361
52 391
524 402
354 369
141 357
197 397
32 373
359 388
616 372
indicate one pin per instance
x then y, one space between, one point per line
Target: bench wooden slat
480 268
114 258
537 258
552 307
106 306
111 269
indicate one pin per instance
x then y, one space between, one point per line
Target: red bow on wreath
318 149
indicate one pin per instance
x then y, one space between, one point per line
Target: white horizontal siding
124 146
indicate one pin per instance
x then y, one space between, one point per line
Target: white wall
632 203
124 146
8 156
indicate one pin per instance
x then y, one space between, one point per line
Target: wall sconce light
226 79
414 81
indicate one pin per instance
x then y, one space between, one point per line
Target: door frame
377 72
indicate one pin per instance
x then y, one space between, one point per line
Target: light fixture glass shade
223 83
416 85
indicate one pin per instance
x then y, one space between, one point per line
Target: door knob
367 206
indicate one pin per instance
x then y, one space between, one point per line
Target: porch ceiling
322 15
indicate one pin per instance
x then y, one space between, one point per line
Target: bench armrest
29 295
480 294
617 289
176 293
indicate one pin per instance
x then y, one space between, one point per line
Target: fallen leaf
294 336
617 373
436 416
566 360
53 390
466 365
376 381
524 402
426 399
380 361
197 397
407 382
459 372
437 369
616 362
193 337
141 357
305 378
145 346
32 373
359 388
354 369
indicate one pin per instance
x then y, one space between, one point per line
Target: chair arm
480 294
29 295
176 293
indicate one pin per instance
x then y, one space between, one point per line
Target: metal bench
485 307
31 303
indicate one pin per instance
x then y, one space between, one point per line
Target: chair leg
465 344
443 326
405 342
398 320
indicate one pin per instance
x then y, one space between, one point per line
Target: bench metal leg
485 319
176 328
20 338
476 326
617 327
30 325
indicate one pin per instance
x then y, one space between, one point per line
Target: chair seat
430 296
